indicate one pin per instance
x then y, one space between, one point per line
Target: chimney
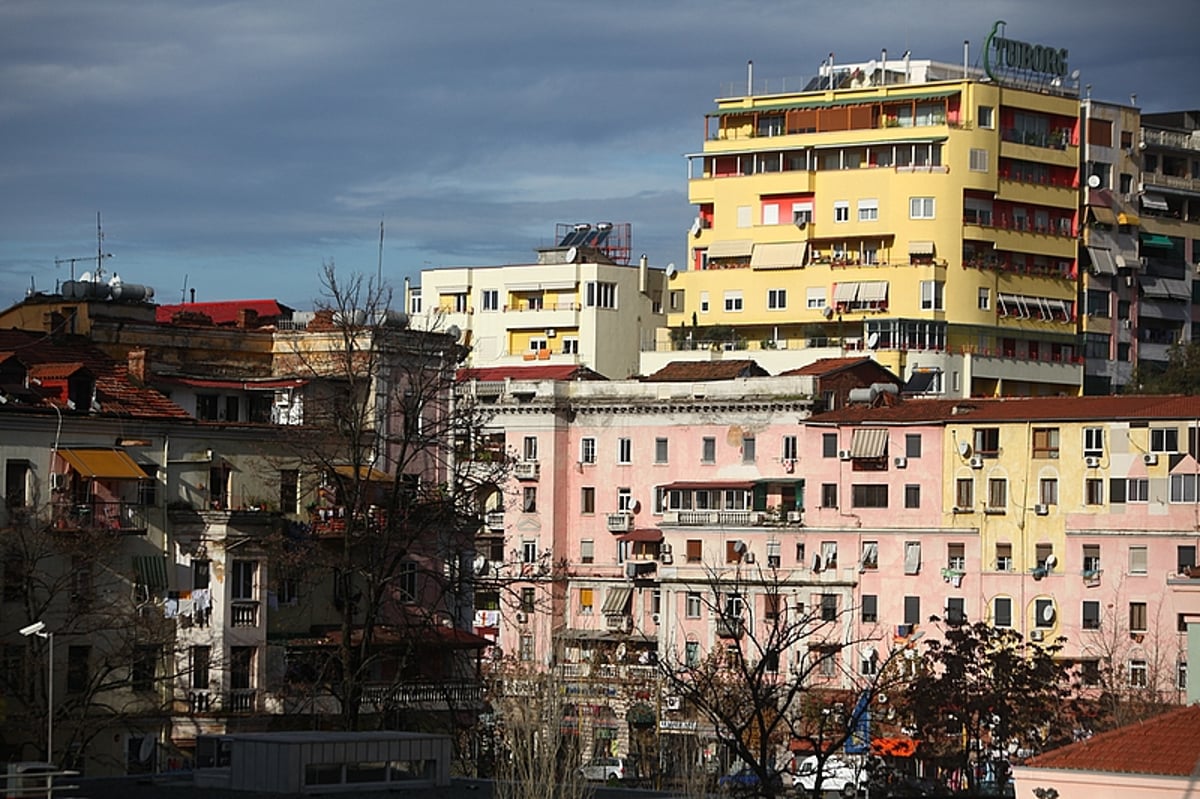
247 318
139 365
643 266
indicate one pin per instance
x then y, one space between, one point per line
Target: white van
838 774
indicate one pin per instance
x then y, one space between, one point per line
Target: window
1164 439
200 657
16 483
1091 558
814 299
289 490
841 211
978 160
1137 560
869 496
526 648
912 610
920 208
986 116
1045 442
956 610
624 500
1091 615
695 550
528 599
868 210
78 673
1002 611
870 608
789 449
1043 611
242 584
997 493
829 607
870 556
1185 557
529 552
708 450
625 450
1137 673
964 494
529 499
776 299
770 214
587 499
490 299
691 653
586 601
587 551
985 298
570 345
693 604
733 301
1137 617
1181 681
829 495
829 554
912 557
661 450
704 302
144 667
932 295
598 294
1004 558
206 407
829 445
956 557
912 445
1183 488
587 450
912 495
986 441
1048 491
1093 491
408 581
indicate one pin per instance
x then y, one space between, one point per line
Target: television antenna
99 256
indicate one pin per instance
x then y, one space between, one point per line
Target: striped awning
151 571
616 601
1103 214
873 291
845 292
869 443
731 248
778 256
1155 202
106 464
920 248
1102 260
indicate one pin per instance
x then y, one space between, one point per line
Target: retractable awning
1155 202
778 256
920 248
869 443
151 571
731 248
1102 260
106 464
643 535
873 291
1155 240
845 292
616 601
1103 214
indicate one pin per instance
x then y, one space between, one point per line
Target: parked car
743 776
604 769
837 774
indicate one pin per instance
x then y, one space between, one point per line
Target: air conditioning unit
789 465
1041 510
976 461
665 549
748 557
795 516
673 703
901 462
1091 461
522 617
58 481
844 454
1150 459
773 561
1036 635
551 332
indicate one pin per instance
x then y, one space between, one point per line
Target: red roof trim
246 385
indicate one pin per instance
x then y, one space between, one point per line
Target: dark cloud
241 144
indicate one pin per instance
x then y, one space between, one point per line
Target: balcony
125 518
715 518
526 470
424 696
621 522
730 628
494 520
243 613
241 700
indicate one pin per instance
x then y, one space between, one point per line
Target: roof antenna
183 291
379 268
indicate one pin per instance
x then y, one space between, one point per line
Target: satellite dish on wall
872 341
1051 562
454 332
671 271
571 253
1048 614
801 223
739 546
1094 181
697 226
146 751
964 448
827 312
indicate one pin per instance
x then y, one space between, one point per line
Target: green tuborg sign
1010 55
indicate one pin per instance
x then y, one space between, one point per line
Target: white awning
1102 260
869 443
845 292
778 256
920 248
1155 202
873 291
731 248
616 601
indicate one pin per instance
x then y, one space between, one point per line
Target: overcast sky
235 147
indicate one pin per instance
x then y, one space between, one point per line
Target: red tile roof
224 312
1020 409
1166 745
566 371
117 395
686 371
826 366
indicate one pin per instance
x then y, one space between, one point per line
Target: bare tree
794 672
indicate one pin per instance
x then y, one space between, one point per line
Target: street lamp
38 628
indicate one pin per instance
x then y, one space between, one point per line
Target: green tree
1181 375
983 691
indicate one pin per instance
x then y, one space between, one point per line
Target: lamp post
38 628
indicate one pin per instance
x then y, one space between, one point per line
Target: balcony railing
714 518
620 522
244 613
526 470
494 520
449 694
115 517
241 700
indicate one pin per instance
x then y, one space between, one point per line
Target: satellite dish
1048 614
86 277
801 223
1051 562
1075 74
1094 182
827 312
964 448
697 225
571 253
739 547
671 271
882 699
872 341
480 565
620 651
868 652
147 749
454 331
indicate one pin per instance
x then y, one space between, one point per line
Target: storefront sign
1002 55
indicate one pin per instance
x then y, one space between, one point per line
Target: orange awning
111 464
365 473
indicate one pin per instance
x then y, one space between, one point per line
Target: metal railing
117 517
